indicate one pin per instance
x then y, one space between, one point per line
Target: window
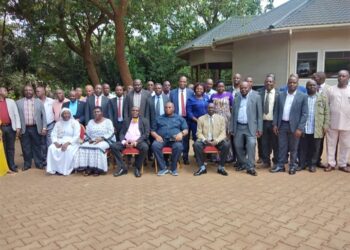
335 61
306 64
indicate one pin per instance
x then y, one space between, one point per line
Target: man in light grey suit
33 127
138 97
289 121
246 126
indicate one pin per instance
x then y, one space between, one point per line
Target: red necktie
119 108
183 109
97 104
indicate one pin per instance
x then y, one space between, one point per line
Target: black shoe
40 167
200 172
14 169
186 162
252 172
137 173
277 169
25 168
312 169
292 171
120 172
300 168
222 172
240 168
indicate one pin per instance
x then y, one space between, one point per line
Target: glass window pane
336 61
306 64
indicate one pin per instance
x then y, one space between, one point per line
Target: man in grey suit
96 100
138 97
246 126
289 124
33 127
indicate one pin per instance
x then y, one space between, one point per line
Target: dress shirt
4 113
310 122
211 92
133 133
242 111
179 99
320 88
137 99
161 104
287 106
29 111
48 105
57 106
73 107
169 126
269 116
120 119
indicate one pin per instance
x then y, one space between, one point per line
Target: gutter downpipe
289 53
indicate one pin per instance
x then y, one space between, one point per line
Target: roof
292 14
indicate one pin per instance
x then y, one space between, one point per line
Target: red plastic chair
133 152
166 151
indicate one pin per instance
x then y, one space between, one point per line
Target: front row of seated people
66 154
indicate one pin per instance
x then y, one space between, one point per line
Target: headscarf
60 124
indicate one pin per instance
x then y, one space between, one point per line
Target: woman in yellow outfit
4 169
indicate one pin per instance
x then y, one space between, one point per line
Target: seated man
133 134
168 131
211 131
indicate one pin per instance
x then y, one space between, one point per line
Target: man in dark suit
289 124
97 99
269 140
33 126
118 112
179 97
246 125
134 134
76 107
138 97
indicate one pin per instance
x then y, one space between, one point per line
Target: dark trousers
309 150
269 143
177 148
319 160
31 147
117 127
233 148
245 144
223 147
117 149
260 148
9 138
186 142
46 140
287 142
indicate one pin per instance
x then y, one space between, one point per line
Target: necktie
119 108
183 109
210 133
97 104
267 104
158 106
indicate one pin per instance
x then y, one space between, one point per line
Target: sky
276 3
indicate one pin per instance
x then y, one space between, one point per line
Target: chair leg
155 165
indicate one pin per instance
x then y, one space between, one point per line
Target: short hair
220 81
97 107
198 85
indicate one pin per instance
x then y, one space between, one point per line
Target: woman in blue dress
196 107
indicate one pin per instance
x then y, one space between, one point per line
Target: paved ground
271 211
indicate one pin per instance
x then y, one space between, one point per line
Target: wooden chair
211 150
133 152
166 151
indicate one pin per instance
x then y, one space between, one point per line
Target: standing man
236 81
57 105
209 88
166 88
138 97
50 118
269 141
289 124
150 87
33 127
316 127
10 126
96 100
339 129
134 134
168 131
76 107
247 125
211 131
89 91
179 97
79 94
118 110
106 89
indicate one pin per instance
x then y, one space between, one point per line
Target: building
302 36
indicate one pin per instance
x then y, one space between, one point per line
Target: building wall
259 56
331 39
210 56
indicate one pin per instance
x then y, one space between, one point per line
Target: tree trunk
91 69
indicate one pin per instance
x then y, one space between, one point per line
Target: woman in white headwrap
65 143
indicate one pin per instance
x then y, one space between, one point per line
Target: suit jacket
39 115
321 115
143 127
298 111
254 113
113 108
219 128
174 98
262 96
152 108
13 113
144 109
90 105
80 111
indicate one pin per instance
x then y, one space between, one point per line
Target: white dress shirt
179 99
48 105
287 106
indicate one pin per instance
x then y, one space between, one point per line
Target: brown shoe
345 169
329 168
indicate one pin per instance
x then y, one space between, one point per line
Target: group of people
79 133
